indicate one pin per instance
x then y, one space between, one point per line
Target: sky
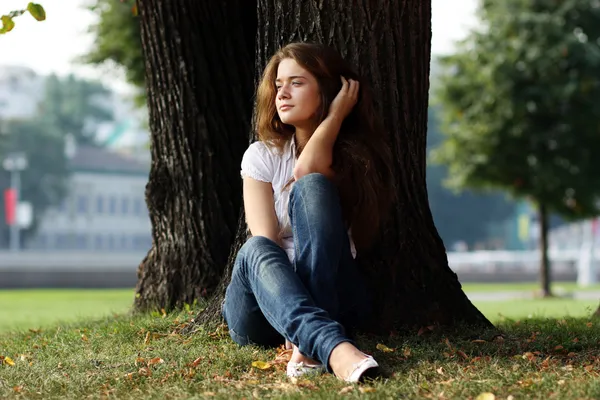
52 46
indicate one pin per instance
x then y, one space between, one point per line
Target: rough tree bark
390 42
199 57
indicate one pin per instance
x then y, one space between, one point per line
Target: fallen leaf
486 396
462 354
8 361
346 390
529 356
197 361
561 382
209 394
384 348
156 360
440 371
84 338
140 360
559 347
147 338
367 389
261 365
589 324
575 340
145 371
129 376
478 341
406 352
448 344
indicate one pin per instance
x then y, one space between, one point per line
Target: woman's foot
300 365
350 364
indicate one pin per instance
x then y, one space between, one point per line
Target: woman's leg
263 282
323 259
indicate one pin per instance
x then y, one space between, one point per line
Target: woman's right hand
345 100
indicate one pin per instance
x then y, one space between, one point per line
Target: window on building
112 205
138 207
64 205
125 242
110 242
98 242
125 205
82 204
100 204
81 242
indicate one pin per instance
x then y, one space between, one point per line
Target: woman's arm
317 154
259 206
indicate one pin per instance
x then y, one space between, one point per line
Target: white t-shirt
267 164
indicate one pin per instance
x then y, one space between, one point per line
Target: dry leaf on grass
346 390
6 360
486 396
367 389
384 348
156 360
261 365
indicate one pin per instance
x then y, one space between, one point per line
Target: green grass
497 311
32 309
147 357
22 309
558 287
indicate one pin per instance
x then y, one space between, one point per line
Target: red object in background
10 203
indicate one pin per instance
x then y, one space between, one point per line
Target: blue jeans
269 299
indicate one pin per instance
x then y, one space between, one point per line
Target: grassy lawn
22 309
147 357
558 287
498 311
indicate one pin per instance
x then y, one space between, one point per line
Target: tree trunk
544 261
198 57
390 41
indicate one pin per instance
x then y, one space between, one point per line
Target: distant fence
105 269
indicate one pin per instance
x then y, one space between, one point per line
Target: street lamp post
14 163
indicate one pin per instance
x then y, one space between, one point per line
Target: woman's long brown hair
361 156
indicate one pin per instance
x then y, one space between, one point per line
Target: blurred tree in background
70 106
465 216
519 101
118 41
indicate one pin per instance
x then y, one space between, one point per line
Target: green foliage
75 106
8 23
520 104
118 39
475 211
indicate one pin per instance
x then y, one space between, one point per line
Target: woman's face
298 97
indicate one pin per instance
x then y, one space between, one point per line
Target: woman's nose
283 92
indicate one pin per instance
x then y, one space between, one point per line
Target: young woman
317 187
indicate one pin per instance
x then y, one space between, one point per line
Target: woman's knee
252 247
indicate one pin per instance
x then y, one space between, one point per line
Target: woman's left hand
345 100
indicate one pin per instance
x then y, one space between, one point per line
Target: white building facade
105 209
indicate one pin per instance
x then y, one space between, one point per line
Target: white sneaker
360 368
295 370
